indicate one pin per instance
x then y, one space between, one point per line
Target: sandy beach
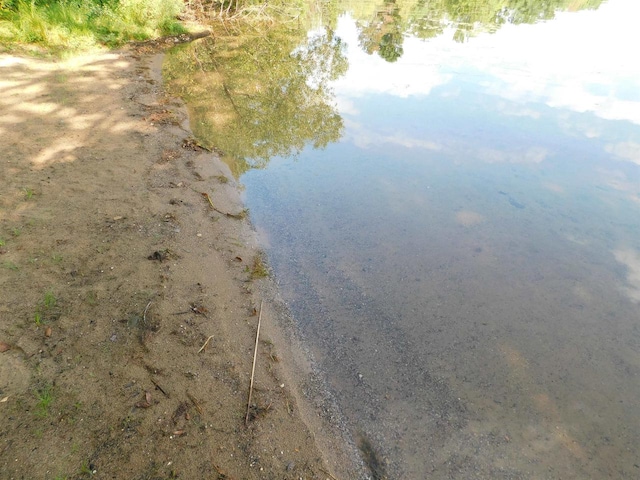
132 286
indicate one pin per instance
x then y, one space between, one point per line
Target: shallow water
463 255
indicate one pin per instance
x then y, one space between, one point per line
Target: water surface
461 243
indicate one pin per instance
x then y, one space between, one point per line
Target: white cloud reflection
415 73
364 138
626 150
631 260
579 61
525 155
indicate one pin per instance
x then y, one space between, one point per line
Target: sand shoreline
115 272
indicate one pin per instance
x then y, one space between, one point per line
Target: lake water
460 243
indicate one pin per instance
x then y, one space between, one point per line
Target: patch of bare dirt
129 304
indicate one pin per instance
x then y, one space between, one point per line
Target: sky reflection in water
465 261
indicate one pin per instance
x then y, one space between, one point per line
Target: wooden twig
195 403
221 474
193 308
144 314
203 347
159 388
328 473
208 198
253 368
237 216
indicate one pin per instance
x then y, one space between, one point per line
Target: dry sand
114 271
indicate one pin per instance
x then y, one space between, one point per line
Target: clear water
464 259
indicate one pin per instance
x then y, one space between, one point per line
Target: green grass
28 193
259 269
84 468
91 298
44 399
46 311
3 242
10 266
67 26
50 299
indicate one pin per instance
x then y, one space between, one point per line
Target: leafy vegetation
254 9
74 25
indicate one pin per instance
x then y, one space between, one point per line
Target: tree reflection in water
383 25
260 91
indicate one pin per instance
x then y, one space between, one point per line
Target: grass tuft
50 299
46 311
260 269
45 398
85 469
28 193
9 265
68 26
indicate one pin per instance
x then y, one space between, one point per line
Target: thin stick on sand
144 315
204 347
253 368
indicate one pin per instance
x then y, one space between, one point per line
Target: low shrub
72 25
